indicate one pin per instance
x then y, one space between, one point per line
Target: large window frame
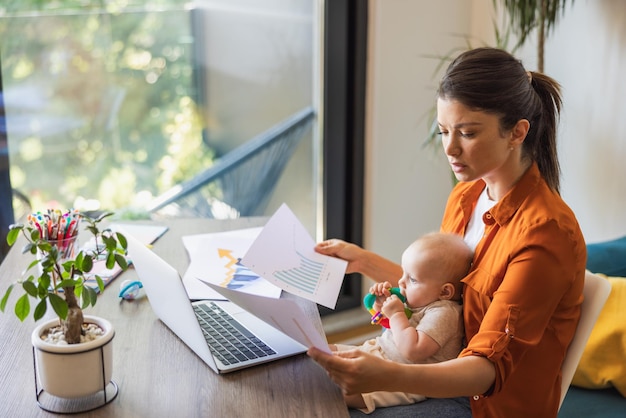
344 86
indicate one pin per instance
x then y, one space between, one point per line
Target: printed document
283 314
216 258
284 255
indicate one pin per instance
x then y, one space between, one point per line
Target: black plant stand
58 405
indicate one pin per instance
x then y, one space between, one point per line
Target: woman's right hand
352 253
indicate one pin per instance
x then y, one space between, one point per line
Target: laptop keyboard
229 341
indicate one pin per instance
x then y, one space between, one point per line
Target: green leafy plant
61 281
527 15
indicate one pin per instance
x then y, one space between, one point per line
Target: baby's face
418 283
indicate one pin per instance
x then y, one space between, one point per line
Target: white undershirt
476 228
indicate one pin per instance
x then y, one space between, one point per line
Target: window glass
114 105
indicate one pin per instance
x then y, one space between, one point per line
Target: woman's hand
357 372
361 261
352 253
354 371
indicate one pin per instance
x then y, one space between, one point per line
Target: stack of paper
262 261
244 266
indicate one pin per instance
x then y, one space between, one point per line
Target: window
110 107
108 110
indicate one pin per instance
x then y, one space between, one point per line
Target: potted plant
60 281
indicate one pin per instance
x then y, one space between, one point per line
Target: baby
433 267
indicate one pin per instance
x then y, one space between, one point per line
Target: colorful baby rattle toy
377 317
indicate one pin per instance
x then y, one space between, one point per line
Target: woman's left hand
353 371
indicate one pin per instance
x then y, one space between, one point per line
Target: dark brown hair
493 81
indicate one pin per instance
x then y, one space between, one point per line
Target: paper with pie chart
284 255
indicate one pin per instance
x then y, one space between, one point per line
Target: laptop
261 343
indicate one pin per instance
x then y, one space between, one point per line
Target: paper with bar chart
284 255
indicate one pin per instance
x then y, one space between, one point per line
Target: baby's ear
447 291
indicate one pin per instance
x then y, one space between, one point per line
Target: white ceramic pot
74 370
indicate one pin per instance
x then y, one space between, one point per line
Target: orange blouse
521 301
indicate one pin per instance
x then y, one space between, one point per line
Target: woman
522 296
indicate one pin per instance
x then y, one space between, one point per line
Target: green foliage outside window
100 101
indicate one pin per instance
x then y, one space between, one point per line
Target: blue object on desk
129 289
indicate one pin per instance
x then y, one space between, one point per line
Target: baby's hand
381 290
392 305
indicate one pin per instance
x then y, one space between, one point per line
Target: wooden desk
158 376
